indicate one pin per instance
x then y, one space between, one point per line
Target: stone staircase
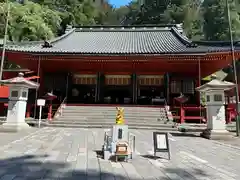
104 117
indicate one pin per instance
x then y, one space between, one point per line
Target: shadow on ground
148 156
186 135
32 167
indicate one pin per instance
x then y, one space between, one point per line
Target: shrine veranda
141 65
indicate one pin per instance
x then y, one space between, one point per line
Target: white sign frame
41 102
161 143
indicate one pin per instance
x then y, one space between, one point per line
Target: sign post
40 103
161 143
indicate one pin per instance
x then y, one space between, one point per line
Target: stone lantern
18 96
215 101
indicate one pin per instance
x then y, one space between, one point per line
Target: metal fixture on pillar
234 68
4 40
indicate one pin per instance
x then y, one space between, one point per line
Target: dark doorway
82 94
150 95
117 94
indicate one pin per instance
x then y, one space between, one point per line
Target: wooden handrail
60 107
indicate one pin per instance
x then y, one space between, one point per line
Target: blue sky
119 3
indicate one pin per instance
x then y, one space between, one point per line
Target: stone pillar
216 112
17 104
215 99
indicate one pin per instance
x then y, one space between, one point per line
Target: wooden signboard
161 143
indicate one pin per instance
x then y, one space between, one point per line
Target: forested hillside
202 19
44 19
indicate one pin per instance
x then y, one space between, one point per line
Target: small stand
122 151
40 103
161 143
118 142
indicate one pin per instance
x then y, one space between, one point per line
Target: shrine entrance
83 89
117 89
151 90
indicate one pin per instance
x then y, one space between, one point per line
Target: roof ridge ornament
68 28
191 45
20 74
47 44
180 27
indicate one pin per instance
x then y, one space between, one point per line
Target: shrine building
122 65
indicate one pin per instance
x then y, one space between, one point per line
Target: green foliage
168 12
45 19
216 25
206 20
30 21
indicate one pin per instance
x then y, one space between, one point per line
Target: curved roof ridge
181 37
127 26
122 29
36 43
217 43
55 40
14 43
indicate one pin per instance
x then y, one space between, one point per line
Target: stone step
110 126
99 119
94 118
112 122
112 107
111 112
97 116
113 116
114 112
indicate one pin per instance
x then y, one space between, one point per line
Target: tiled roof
121 40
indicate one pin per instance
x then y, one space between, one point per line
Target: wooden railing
180 114
58 112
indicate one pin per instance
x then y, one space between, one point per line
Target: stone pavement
234 142
70 154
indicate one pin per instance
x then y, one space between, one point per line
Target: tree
74 12
168 12
215 14
30 21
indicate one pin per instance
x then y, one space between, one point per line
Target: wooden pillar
166 87
68 88
101 87
50 111
182 114
98 88
198 94
134 88
28 110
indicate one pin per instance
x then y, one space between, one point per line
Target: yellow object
119 117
